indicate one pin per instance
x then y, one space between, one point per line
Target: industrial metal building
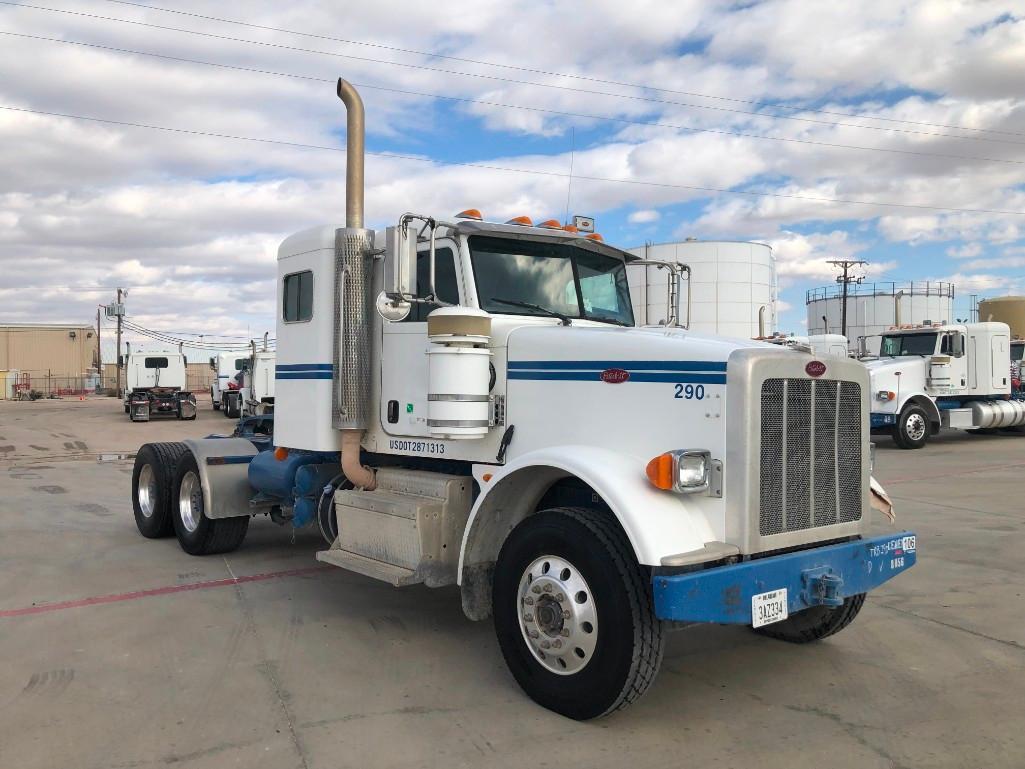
47 357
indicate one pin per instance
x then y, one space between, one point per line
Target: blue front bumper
823 576
882 420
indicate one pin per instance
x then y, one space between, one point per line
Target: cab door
404 347
1000 363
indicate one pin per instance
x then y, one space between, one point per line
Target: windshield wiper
550 313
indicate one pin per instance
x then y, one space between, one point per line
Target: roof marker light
470 213
595 236
551 224
571 228
523 221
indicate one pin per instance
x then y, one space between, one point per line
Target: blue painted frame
821 576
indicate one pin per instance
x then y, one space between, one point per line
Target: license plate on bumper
770 607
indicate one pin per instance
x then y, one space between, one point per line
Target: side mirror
400 261
957 344
120 361
213 363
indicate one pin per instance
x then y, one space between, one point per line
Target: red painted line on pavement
117 597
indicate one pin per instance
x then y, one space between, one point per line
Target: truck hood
616 345
904 376
888 368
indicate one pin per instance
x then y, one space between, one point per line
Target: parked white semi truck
943 375
156 384
469 403
226 366
257 391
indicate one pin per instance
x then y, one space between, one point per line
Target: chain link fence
34 385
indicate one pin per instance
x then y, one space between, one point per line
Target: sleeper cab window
297 303
155 362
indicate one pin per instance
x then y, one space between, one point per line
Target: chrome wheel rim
147 491
915 427
190 501
558 618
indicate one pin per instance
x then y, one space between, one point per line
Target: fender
224 474
932 411
657 523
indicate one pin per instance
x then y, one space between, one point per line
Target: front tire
912 428
197 534
574 614
232 406
815 623
152 482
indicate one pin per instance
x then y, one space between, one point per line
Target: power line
561 113
497 78
587 78
533 172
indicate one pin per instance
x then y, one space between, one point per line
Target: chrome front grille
811 454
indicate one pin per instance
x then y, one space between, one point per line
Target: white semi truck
943 375
257 391
470 403
156 384
224 388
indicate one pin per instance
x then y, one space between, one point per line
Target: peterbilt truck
258 379
155 384
941 375
463 402
224 389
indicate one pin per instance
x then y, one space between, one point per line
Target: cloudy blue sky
911 113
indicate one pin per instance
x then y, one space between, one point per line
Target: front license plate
770 607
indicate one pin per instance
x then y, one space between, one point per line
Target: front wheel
574 615
197 534
912 428
815 623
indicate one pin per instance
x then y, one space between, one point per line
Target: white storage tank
873 308
732 286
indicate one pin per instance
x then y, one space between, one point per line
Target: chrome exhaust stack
353 260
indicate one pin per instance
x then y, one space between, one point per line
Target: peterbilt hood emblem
815 368
614 375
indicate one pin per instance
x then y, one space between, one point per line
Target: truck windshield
1017 350
560 278
239 363
908 344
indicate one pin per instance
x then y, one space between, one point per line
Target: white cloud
965 251
995 263
644 216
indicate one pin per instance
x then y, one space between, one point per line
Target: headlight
685 471
886 395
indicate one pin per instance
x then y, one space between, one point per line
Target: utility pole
845 278
99 355
117 358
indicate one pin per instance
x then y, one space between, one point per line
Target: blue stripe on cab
628 365
682 377
303 375
304 367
